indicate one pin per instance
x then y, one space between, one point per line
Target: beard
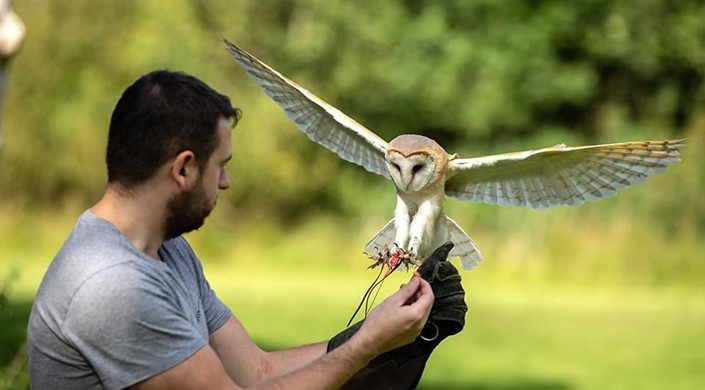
186 212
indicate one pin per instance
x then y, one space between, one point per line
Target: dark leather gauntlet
401 368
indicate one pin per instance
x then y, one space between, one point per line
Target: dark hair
162 114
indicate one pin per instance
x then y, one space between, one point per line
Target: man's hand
401 368
399 319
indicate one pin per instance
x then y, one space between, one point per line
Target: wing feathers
559 175
322 123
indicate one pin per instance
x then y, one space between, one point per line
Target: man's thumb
408 290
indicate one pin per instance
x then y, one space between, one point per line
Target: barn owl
424 173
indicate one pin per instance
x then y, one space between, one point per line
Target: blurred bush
479 76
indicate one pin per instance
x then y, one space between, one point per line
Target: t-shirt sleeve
128 327
216 312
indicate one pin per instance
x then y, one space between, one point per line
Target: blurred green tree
479 76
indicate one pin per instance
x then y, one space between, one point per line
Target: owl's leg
422 228
402 220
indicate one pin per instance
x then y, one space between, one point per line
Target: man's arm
244 360
395 322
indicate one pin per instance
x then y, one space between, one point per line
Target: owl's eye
416 168
396 166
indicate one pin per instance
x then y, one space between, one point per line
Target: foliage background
609 293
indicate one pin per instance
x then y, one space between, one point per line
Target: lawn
515 338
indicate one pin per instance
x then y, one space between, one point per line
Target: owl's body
417 165
424 173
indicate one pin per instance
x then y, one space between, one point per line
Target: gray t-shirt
107 315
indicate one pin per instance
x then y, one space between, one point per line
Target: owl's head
416 163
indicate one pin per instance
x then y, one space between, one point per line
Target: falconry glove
401 368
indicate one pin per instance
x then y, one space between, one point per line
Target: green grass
516 337
519 337
534 322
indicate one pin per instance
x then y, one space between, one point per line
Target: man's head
162 114
175 123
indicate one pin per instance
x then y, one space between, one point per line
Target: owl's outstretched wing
322 122
558 175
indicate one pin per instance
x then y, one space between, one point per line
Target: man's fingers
425 287
422 294
416 296
402 315
424 300
415 274
409 289
408 293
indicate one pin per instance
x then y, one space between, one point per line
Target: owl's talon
379 258
392 258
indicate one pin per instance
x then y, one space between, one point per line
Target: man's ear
184 170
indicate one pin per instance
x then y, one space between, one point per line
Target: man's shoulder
119 286
96 261
93 248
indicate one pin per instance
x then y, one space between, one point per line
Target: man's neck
139 215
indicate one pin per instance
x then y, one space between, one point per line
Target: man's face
188 210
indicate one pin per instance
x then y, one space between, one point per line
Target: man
125 303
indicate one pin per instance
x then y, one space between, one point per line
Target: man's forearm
326 371
278 363
248 365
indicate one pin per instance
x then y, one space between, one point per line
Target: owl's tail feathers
464 247
383 239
